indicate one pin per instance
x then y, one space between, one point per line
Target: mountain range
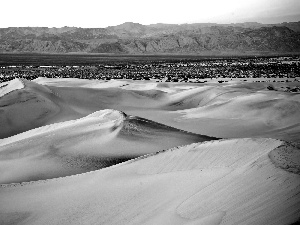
134 38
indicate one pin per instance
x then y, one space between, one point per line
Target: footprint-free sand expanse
143 152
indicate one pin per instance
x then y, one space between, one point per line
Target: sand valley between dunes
143 152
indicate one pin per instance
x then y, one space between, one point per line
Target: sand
227 110
98 140
142 152
10 86
217 182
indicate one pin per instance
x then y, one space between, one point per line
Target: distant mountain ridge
134 38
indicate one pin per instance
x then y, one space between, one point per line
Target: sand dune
272 109
98 140
69 146
227 110
236 181
234 110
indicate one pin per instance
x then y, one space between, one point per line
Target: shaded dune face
137 127
215 182
99 140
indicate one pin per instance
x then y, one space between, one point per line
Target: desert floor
144 152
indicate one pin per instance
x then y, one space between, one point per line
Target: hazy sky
99 13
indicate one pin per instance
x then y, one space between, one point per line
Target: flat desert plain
78 151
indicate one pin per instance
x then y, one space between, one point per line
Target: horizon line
176 24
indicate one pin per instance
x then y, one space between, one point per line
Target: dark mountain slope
155 39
